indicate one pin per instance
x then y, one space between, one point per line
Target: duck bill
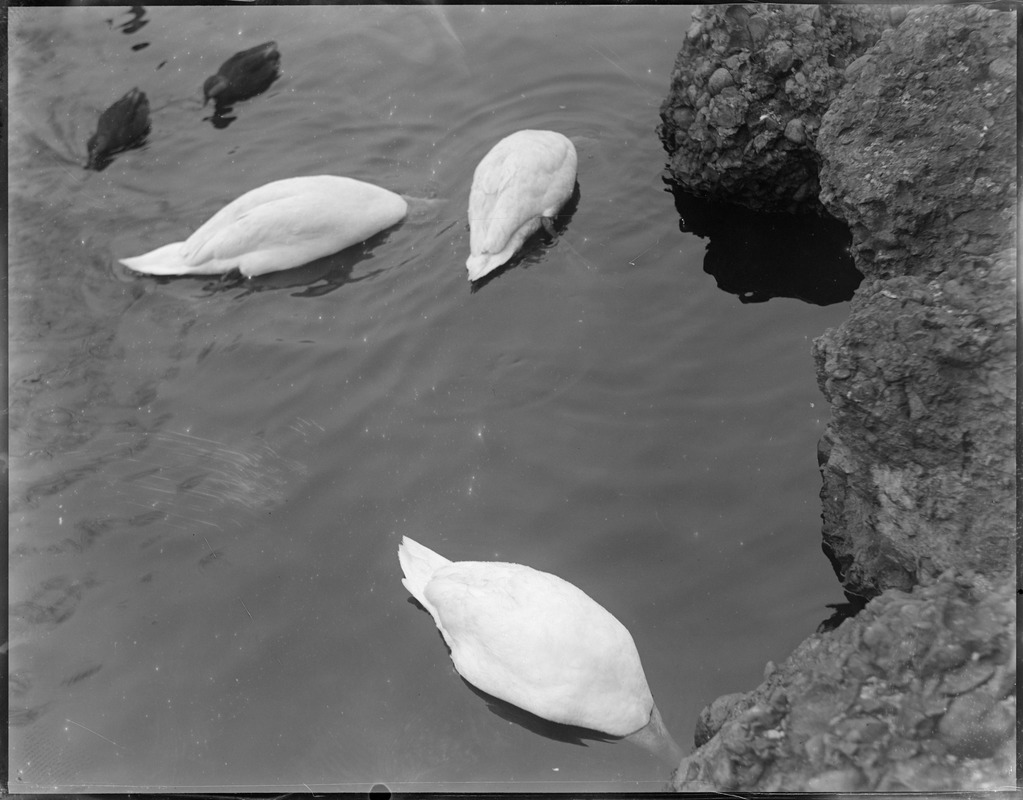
655 738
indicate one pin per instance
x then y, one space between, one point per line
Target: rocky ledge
748 92
902 126
917 692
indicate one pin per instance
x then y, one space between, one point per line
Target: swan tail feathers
418 563
166 260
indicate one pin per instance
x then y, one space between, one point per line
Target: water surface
209 480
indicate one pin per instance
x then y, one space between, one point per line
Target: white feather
525 177
278 226
538 642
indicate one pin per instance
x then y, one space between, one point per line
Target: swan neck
655 738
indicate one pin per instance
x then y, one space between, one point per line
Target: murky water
209 480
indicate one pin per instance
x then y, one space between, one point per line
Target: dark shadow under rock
758 256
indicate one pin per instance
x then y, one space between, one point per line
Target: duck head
213 86
97 147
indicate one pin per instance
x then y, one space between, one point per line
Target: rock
714 716
719 80
969 677
779 64
817 723
795 131
919 460
915 138
891 176
849 779
975 726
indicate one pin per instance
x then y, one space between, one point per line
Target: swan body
538 642
520 184
122 126
278 226
243 75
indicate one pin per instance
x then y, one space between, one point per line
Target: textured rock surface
919 159
918 152
917 155
748 91
915 693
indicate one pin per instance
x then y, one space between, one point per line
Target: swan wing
500 204
526 176
251 200
288 223
509 187
540 643
277 235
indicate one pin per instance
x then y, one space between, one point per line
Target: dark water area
758 256
209 479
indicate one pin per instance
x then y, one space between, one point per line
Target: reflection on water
136 22
52 602
571 734
173 476
315 279
758 256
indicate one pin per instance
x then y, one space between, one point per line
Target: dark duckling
243 75
122 126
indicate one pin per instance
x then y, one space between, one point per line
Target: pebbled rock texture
748 91
917 154
916 693
918 157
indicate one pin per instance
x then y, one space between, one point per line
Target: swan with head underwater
518 186
280 225
538 642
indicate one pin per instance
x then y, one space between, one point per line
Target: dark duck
243 75
122 126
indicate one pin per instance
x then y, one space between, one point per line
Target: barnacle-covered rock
748 91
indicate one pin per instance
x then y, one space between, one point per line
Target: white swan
538 642
519 185
278 226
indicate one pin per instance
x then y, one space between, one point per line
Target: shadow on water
223 115
135 23
537 245
840 612
758 256
317 278
570 734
